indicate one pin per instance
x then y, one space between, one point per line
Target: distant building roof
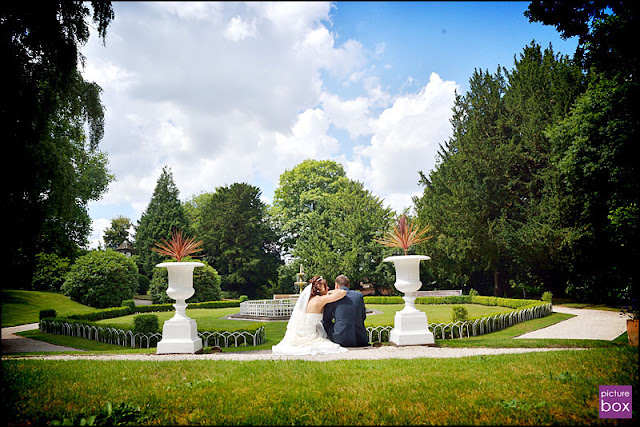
125 247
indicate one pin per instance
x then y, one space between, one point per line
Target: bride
305 334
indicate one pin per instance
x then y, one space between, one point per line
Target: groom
344 319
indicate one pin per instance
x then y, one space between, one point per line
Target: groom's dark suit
349 314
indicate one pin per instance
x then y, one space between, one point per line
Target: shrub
49 272
47 313
107 313
101 279
460 313
206 283
243 298
169 307
146 324
383 300
129 303
473 293
451 299
143 284
547 297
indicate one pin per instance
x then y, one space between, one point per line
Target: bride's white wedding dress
305 334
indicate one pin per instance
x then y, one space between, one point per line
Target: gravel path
587 324
16 344
368 353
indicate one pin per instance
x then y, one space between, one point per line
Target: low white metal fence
127 338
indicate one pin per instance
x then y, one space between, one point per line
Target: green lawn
21 307
525 389
213 319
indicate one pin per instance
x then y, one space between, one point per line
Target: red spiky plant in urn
178 246
404 235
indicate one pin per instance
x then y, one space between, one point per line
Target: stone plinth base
179 336
410 328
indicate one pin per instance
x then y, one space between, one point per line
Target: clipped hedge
452 299
146 324
506 302
383 300
47 313
110 313
169 307
459 299
107 313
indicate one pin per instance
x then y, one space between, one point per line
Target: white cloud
239 29
238 92
97 232
351 115
405 140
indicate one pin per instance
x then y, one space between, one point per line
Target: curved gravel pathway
587 324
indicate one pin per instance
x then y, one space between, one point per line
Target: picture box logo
615 401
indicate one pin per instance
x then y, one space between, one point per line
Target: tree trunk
501 286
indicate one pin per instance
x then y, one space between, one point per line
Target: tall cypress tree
163 214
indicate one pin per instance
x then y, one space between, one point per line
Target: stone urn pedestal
180 333
410 324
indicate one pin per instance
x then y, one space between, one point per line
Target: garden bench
440 293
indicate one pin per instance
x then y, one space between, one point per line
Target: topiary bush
101 279
47 313
146 324
129 303
49 273
206 283
143 284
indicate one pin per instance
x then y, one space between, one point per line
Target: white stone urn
180 333
410 324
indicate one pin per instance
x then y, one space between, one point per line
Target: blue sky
240 92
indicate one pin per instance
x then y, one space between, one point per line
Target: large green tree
339 238
594 147
488 198
55 169
330 221
300 192
164 213
239 239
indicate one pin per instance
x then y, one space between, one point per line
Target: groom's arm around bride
343 320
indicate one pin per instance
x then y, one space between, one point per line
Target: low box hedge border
110 313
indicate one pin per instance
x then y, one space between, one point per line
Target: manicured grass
436 313
275 332
213 318
526 389
21 307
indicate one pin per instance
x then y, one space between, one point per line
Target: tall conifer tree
163 214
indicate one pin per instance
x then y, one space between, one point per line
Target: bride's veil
297 316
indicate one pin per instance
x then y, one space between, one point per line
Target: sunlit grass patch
525 389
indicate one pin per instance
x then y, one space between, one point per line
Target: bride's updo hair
317 285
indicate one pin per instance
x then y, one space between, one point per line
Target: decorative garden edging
471 328
127 338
